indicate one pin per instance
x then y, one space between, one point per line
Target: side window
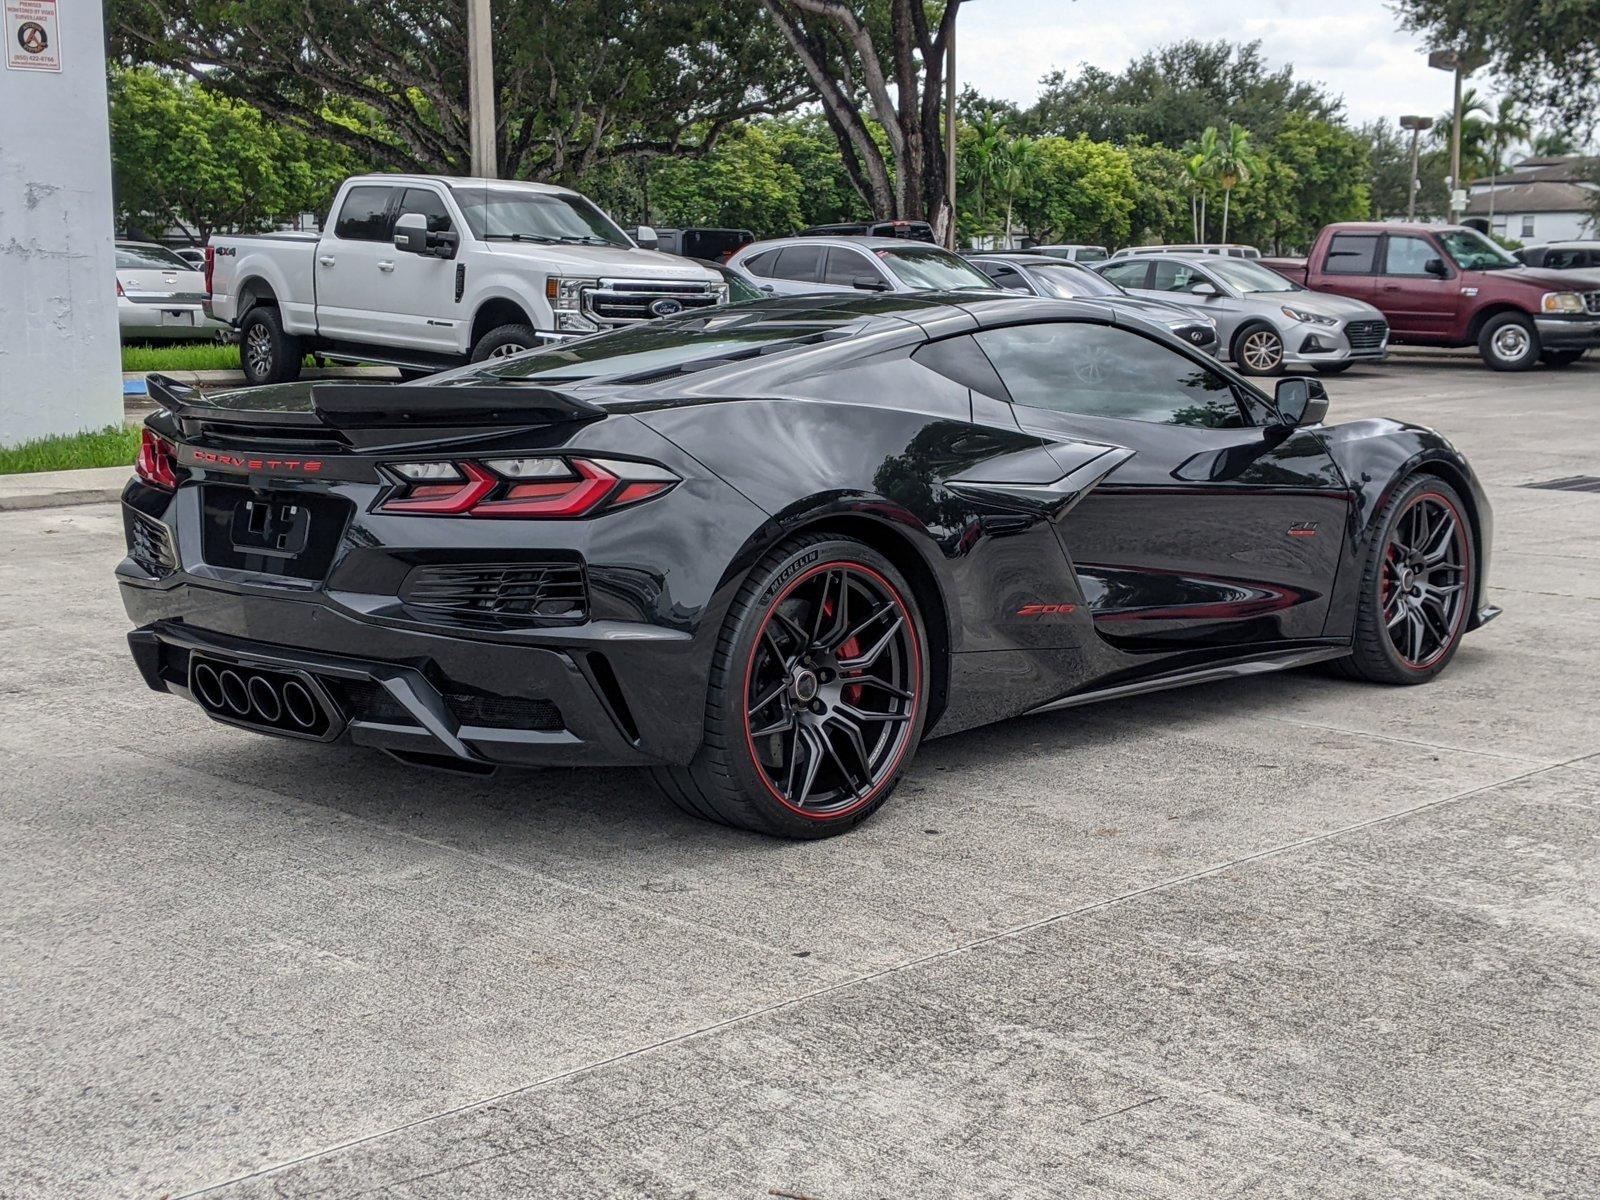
800 263
761 264
427 203
1007 277
1103 371
1564 260
1351 254
1128 275
847 266
364 217
1176 277
1408 255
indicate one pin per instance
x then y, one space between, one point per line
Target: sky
1354 47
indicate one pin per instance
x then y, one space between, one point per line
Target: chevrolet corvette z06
767 550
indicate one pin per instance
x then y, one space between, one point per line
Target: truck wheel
266 352
1258 350
504 341
1560 358
1509 342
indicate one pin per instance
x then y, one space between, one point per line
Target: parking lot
1290 936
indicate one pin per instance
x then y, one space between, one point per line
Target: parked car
742 285
195 256
1451 286
707 244
768 555
916 231
423 272
159 296
1264 322
1225 249
1561 256
1071 252
1036 275
796 266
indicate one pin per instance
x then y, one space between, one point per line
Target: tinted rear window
150 258
1351 254
364 215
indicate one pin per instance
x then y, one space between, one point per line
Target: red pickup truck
1451 286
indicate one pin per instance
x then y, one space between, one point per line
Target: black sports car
765 550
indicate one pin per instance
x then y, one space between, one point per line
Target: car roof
859 243
1196 258
464 181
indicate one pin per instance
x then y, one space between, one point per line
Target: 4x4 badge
1303 529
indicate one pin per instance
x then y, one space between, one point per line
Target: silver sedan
1264 322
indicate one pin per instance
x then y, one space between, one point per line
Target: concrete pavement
1290 936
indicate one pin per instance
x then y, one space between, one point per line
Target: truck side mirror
1435 266
646 237
411 233
1301 401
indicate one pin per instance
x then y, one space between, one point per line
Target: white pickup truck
424 272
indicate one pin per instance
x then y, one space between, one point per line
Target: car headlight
566 302
1308 318
1561 302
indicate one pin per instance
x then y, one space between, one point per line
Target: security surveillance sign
33 36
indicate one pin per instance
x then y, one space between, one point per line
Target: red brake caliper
848 648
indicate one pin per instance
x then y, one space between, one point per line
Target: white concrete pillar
60 365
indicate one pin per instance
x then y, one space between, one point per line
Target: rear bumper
444 700
1569 333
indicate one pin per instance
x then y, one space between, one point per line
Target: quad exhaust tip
273 700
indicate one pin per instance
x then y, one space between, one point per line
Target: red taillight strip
554 499
157 463
446 499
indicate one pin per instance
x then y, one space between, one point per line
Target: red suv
1451 286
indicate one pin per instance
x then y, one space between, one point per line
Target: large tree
1169 95
182 156
579 83
1548 51
880 63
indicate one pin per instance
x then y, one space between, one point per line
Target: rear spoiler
335 406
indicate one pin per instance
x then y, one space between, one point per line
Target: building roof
1538 197
1565 168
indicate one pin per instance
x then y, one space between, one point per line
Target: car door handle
386 265
326 260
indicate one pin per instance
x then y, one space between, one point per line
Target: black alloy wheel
818 694
1418 589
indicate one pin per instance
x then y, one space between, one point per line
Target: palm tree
1235 163
1507 126
1553 143
1201 170
1014 168
991 130
1475 124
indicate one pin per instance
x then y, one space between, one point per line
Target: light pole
480 89
1463 63
1416 125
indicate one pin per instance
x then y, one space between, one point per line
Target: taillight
541 487
211 266
157 463
120 292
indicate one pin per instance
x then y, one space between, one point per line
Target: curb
70 499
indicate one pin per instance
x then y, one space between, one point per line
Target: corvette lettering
235 462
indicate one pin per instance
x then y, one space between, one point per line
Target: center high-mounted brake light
157 464
544 487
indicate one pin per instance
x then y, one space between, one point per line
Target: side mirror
646 237
1203 289
411 234
869 283
1435 266
1301 401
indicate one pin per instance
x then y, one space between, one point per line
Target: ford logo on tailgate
665 307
